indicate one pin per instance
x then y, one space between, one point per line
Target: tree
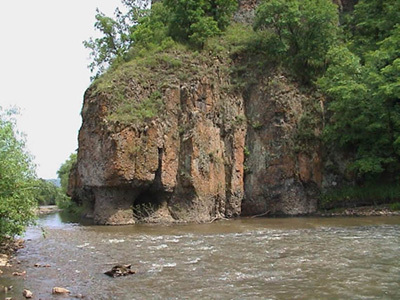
153 27
383 67
117 35
365 107
305 31
63 201
17 178
372 22
47 193
196 20
362 81
188 21
64 170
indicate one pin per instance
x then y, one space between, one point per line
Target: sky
43 71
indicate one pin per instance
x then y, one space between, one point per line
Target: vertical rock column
279 179
113 206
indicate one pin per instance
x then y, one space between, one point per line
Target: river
263 258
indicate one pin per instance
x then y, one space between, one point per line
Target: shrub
360 195
395 206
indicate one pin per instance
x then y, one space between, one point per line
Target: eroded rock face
280 178
185 165
210 154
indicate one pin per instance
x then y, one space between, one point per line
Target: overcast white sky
43 71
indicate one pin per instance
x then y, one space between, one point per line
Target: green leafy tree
196 20
64 170
63 201
372 22
17 179
384 64
365 107
189 21
117 35
47 193
364 89
383 74
305 31
152 28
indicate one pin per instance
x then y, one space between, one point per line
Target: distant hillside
56 182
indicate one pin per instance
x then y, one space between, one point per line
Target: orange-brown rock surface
209 154
184 165
280 177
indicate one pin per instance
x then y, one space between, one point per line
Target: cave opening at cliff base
146 204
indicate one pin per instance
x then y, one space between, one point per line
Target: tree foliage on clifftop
196 20
186 21
117 34
304 32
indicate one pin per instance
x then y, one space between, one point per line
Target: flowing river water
282 258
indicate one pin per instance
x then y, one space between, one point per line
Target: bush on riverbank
395 206
354 196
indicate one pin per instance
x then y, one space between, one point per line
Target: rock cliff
283 175
186 163
169 138
208 151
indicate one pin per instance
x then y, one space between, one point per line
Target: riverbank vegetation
352 196
17 179
21 192
63 176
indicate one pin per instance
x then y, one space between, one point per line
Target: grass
142 212
134 89
137 111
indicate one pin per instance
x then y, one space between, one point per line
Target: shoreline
10 246
362 211
47 209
